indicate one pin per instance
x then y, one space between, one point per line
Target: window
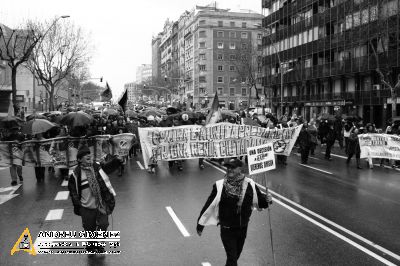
231 68
202 67
232 23
374 13
243 80
220 34
202 22
307 63
244 91
365 16
220 79
220 57
232 80
356 19
232 45
243 35
202 79
220 68
202 56
244 46
220 91
202 34
231 91
220 45
232 34
232 57
220 23
259 36
349 22
244 25
202 45
202 90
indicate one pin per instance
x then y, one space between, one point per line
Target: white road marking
317 169
349 241
312 157
219 169
62 195
5 189
5 198
336 155
140 165
55 214
64 183
366 241
205 264
178 223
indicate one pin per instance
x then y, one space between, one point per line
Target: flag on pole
215 113
122 102
107 93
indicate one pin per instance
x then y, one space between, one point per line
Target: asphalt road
324 213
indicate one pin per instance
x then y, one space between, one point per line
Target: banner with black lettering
61 152
380 146
212 141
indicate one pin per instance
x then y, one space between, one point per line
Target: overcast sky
121 30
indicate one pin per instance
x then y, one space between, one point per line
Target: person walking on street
330 140
312 129
230 205
354 147
15 170
90 196
304 141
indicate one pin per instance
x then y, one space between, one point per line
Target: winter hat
185 117
82 151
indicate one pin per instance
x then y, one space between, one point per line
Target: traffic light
101 79
144 86
165 78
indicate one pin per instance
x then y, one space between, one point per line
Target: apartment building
143 73
198 56
326 52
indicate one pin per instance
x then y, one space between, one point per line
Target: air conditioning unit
376 87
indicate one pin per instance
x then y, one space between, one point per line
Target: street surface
324 213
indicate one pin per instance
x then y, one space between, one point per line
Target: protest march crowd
325 130
84 145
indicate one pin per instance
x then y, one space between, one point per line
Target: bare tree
63 51
16 46
247 62
380 46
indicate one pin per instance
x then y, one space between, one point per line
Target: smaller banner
261 158
121 144
380 146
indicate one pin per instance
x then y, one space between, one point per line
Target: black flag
107 93
122 102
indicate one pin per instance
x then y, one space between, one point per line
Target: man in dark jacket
90 196
304 141
235 195
15 170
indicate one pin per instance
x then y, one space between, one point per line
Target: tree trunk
14 89
394 106
51 100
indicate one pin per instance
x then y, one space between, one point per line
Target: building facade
198 56
326 54
143 73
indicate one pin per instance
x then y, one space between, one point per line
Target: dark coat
74 187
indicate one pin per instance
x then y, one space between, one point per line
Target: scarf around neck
233 185
94 185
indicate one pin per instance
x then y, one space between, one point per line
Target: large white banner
212 141
380 146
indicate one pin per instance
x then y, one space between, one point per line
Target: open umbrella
10 121
37 126
74 119
152 112
110 111
172 110
35 116
228 113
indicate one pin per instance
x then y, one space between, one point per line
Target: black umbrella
74 119
10 121
172 110
35 116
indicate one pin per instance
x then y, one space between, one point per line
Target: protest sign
58 152
212 141
380 146
261 158
5 158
